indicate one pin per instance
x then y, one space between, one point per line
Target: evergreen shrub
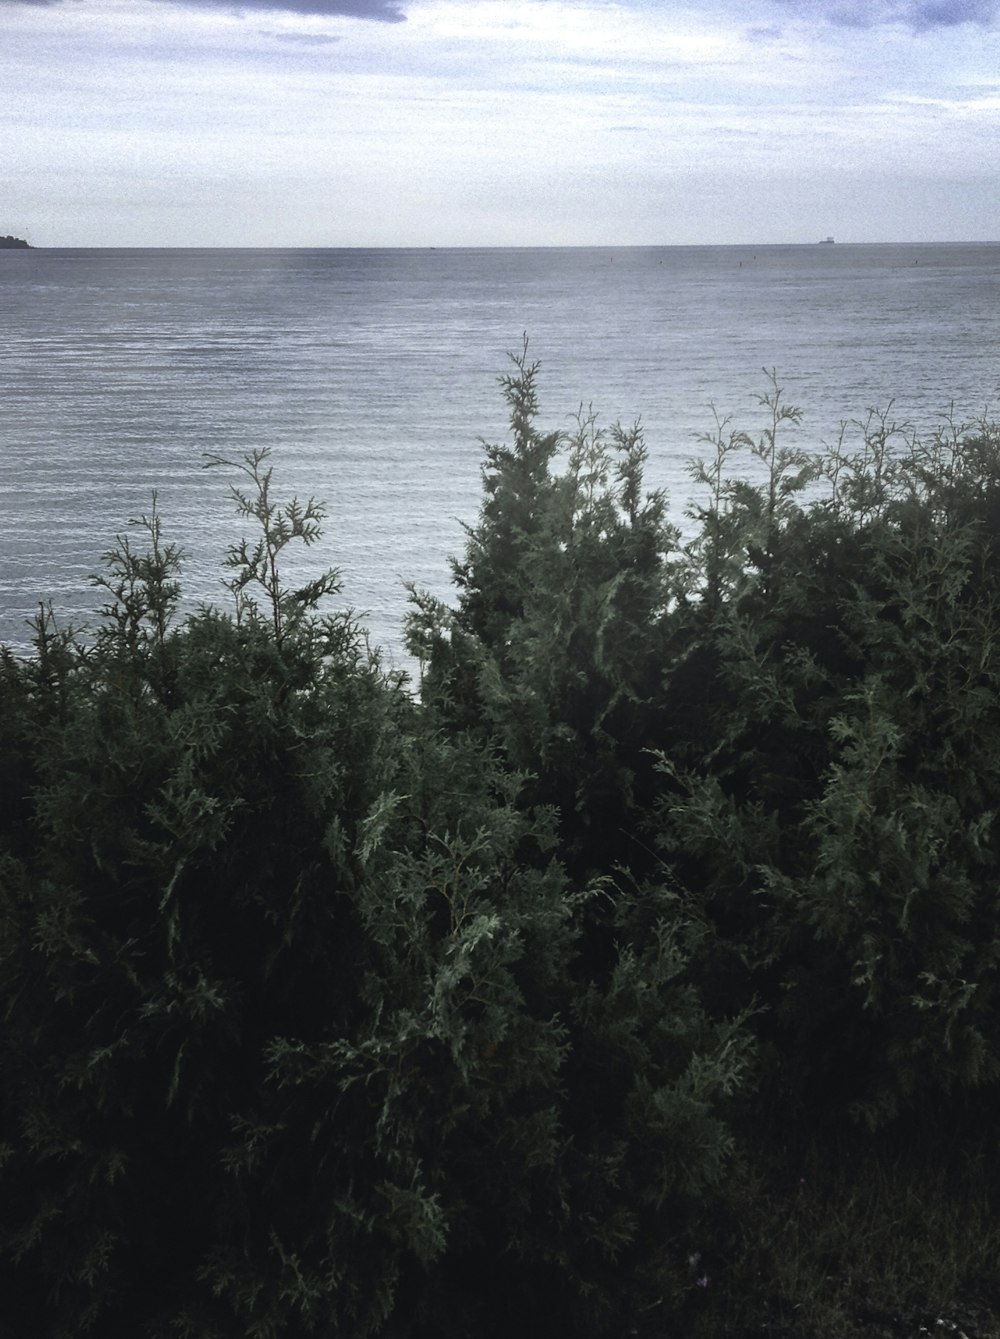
616 981
787 719
300 1031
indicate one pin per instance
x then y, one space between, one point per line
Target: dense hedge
335 1008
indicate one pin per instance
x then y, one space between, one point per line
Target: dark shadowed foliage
638 976
299 1035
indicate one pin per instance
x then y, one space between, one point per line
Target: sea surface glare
372 377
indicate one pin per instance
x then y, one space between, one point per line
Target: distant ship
8 243
827 241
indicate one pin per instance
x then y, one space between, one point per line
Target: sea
372 377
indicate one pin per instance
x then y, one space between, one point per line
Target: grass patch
864 1239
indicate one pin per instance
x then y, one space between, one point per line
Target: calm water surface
372 376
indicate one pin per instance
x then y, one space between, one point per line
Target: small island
12 243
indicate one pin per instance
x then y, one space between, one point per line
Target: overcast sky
498 122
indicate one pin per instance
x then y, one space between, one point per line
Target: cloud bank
382 11
920 15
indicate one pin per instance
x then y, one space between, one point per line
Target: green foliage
555 648
256 565
836 802
537 1002
814 675
175 894
299 1035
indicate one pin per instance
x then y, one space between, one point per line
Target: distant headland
8 243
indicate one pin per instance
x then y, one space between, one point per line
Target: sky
498 122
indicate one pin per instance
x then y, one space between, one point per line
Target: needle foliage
617 978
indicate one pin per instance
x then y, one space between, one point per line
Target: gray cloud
920 15
383 11
949 13
305 39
